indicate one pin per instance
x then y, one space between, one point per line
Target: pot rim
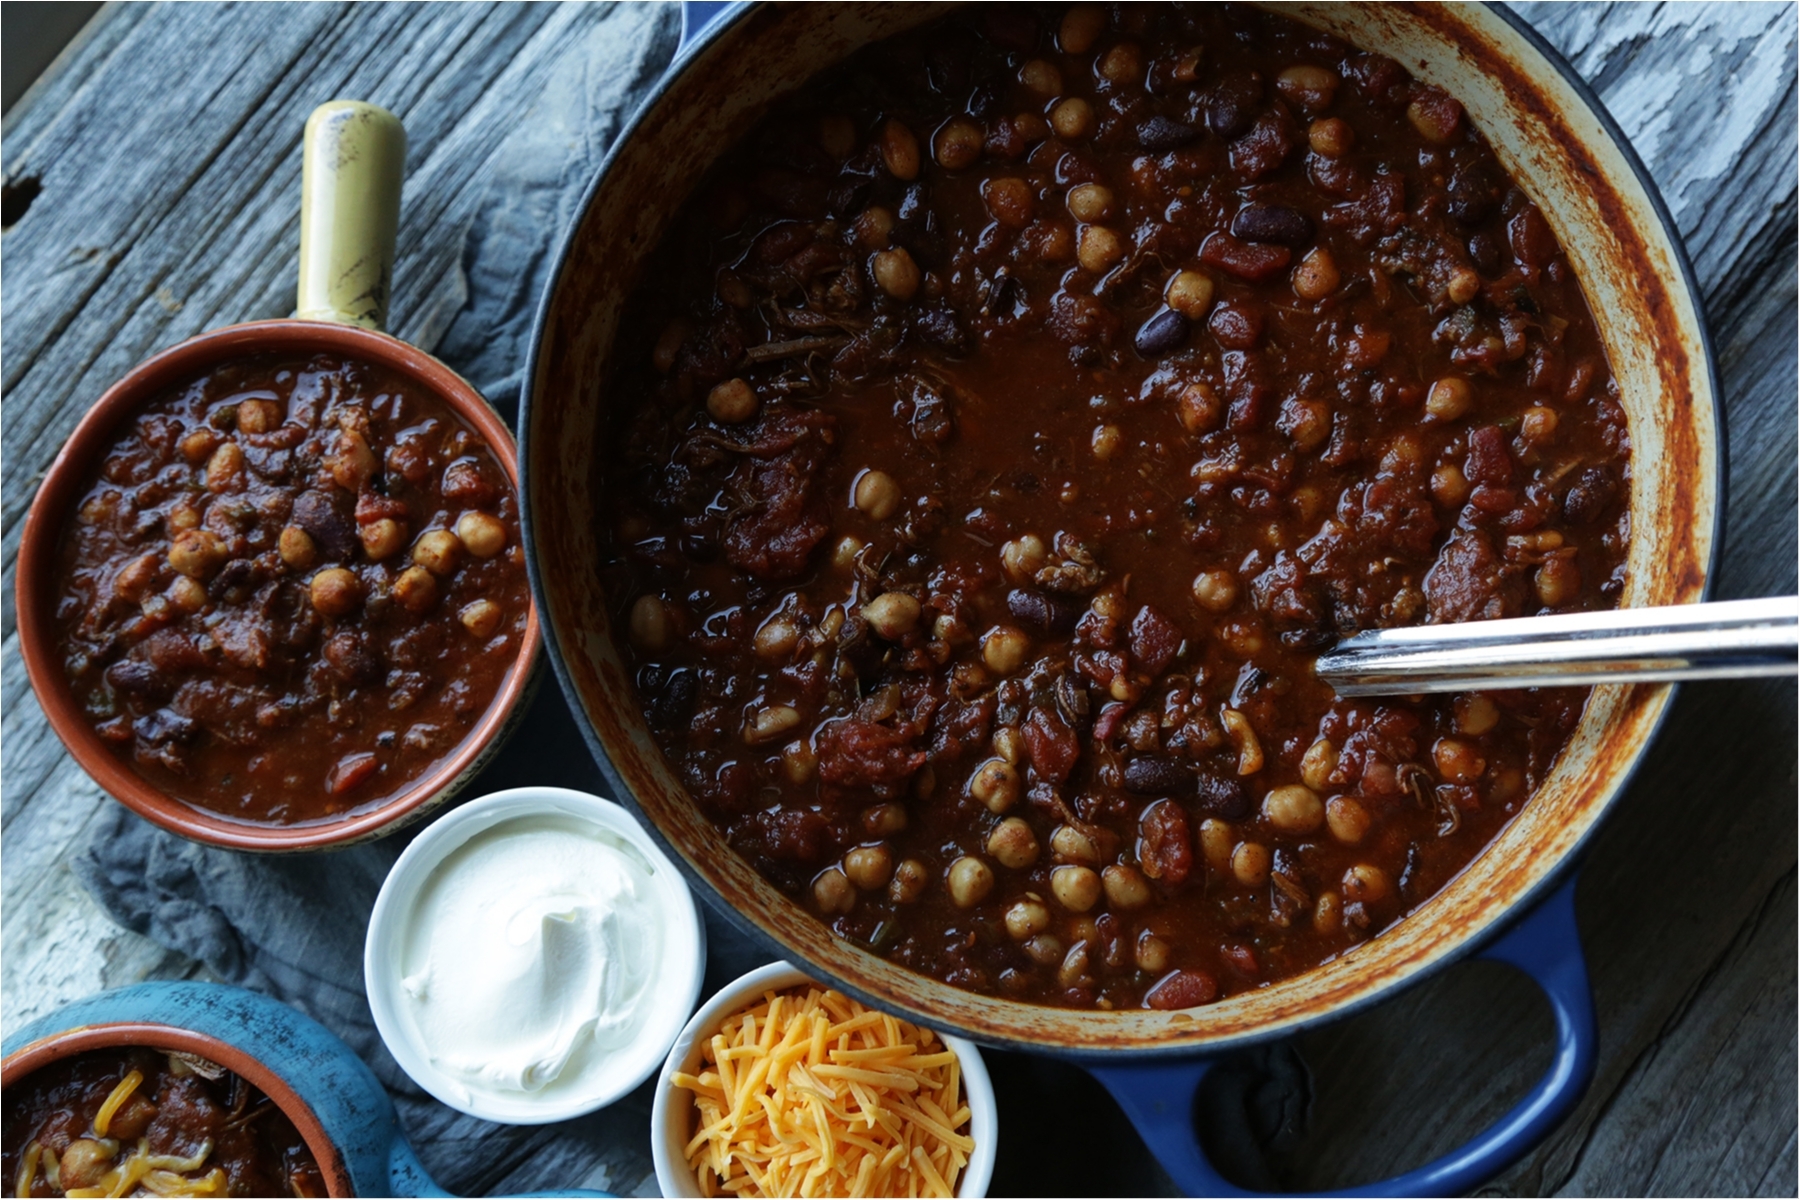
54 1047
35 574
1467 946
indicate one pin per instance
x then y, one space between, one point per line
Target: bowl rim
1683 283
36 575
676 989
672 1175
52 1048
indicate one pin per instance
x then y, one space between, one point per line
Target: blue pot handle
1546 945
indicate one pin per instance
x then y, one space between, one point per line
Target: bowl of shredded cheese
780 1086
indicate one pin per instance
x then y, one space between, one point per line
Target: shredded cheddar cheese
808 1093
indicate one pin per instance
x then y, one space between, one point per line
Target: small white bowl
670 1113
674 993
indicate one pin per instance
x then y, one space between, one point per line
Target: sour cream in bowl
532 956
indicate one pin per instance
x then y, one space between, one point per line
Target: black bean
937 325
1222 796
1275 223
350 657
1165 133
1587 500
1484 252
674 702
132 675
1042 613
1162 333
1474 193
1230 108
328 525
165 726
1158 775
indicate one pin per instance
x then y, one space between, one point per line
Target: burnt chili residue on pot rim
595 685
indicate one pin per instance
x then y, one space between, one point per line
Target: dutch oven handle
696 15
1546 945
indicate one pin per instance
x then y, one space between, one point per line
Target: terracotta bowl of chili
1018 865
271 593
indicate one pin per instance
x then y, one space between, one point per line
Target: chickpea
896 273
843 555
1069 844
734 291
198 553
84 1163
869 867
1458 761
225 469
1004 649
1366 884
1316 766
481 534
1328 912
1312 88
1010 200
481 618
351 463
668 344
1122 64
776 638
437 550
1242 638
1449 486
884 820
1215 591
1190 293
1347 819
258 416
136 577
1217 839
1125 887
1027 918
1009 744
1331 137
732 402
335 591
650 623
1023 557
416 590
1151 953
1072 119
1307 422
296 548
1558 582
877 494
1076 888
1031 127
874 227
1090 203
1294 808
383 538
1041 77
1013 844
1316 276
197 445
1106 441
909 882
1074 969
957 144
996 784
183 516
1250 864
893 614
1449 398
1200 410
899 150
1476 714
1098 249
837 135
799 763
970 881
771 724
1538 425
833 893
1436 118
1081 27
187 595
1464 285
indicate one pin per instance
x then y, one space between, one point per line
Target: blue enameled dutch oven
330 1094
1514 903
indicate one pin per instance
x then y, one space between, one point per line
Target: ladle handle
1720 640
350 176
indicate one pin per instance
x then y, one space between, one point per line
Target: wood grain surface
165 144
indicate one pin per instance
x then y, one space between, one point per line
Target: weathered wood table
151 193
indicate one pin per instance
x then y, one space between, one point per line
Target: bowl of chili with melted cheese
1020 401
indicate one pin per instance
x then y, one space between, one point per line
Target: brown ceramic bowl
35 587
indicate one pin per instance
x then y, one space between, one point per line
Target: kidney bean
1164 133
1158 775
1247 260
1165 847
1276 223
1183 989
1164 332
1237 324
